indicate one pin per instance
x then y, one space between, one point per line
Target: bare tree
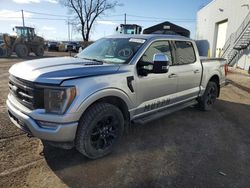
87 11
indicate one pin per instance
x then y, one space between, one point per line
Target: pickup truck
88 100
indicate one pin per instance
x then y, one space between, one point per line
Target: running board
159 114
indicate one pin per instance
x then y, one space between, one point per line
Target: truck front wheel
100 129
39 51
207 100
21 50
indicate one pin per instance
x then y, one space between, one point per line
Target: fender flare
110 92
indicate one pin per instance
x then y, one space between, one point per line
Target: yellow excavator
25 42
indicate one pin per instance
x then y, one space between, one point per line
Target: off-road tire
2 52
5 51
9 52
207 100
39 51
88 124
22 50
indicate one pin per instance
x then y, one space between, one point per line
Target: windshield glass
112 50
21 31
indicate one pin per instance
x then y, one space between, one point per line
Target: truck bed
206 59
211 66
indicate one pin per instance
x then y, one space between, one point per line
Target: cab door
155 91
188 70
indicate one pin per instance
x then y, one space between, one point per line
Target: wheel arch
215 78
118 102
111 96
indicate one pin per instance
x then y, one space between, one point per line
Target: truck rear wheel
9 52
39 51
209 97
21 50
100 129
3 52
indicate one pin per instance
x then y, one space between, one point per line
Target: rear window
184 53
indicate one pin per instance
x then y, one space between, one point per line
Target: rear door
188 70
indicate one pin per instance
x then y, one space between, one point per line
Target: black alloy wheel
99 130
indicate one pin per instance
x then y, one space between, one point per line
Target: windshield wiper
95 60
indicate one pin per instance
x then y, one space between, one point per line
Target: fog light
48 125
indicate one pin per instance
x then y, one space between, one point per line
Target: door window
162 47
184 53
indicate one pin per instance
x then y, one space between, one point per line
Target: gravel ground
189 148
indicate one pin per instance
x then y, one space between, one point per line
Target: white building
225 24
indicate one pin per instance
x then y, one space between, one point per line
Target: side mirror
161 64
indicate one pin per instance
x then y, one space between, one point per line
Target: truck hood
56 70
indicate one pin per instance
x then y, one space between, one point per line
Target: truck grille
26 93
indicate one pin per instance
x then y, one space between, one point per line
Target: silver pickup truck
86 101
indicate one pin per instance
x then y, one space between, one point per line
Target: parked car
53 46
61 47
86 101
1 39
72 46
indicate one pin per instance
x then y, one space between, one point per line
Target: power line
135 20
112 20
57 15
34 18
161 18
65 17
8 13
115 15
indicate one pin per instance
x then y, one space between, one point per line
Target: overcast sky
54 25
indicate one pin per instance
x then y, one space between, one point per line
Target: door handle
196 71
172 76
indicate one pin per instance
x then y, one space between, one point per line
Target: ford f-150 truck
86 101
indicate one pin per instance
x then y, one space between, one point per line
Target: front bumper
59 132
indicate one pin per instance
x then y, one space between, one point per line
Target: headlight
59 99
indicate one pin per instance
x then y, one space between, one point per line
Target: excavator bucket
7 40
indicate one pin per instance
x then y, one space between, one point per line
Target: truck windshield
112 50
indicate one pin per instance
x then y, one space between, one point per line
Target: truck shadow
183 149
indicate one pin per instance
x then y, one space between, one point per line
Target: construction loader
25 42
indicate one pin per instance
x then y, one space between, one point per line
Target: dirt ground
189 148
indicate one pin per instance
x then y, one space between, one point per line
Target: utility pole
69 36
125 18
23 18
71 33
68 30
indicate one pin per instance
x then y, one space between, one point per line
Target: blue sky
181 12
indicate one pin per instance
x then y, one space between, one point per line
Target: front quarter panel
91 89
